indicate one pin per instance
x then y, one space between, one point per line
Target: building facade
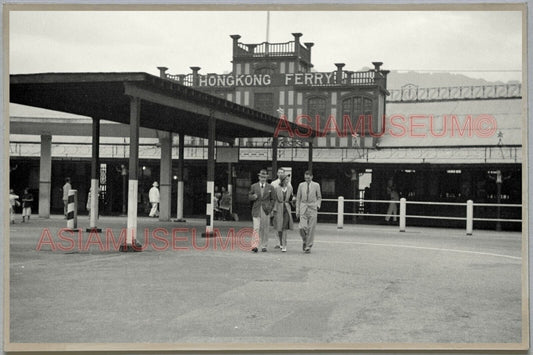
444 146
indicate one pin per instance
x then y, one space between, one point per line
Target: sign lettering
229 80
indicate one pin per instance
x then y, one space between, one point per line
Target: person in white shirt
66 188
13 201
153 196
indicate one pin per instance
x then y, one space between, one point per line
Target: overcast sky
98 41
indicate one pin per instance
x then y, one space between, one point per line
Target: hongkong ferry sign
230 80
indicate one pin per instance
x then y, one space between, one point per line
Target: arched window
355 107
316 106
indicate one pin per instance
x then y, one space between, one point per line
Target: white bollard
93 203
469 217
340 212
210 210
72 207
403 212
179 215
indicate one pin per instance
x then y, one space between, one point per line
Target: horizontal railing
402 216
184 79
266 49
412 93
359 77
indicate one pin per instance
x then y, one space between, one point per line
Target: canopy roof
166 105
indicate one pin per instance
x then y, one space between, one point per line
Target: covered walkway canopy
166 105
143 100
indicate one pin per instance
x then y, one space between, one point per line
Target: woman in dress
282 210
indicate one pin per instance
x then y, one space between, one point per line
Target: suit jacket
313 201
266 201
280 204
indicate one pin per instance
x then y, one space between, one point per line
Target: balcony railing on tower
336 78
266 49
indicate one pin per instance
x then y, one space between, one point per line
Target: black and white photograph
265 177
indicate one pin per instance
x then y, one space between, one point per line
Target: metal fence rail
413 93
469 209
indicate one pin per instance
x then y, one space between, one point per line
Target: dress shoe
255 250
264 250
308 251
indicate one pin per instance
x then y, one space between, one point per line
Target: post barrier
340 213
403 212
469 217
72 209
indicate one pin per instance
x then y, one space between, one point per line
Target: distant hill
396 80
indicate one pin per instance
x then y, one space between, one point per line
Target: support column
211 134
124 174
95 186
310 155
165 176
133 183
45 176
181 162
274 156
230 185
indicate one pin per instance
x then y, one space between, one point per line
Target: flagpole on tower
268 25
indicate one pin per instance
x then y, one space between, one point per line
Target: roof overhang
165 105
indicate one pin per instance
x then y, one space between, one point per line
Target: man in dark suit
263 196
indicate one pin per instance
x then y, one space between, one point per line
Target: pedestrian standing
88 204
216 204
27 199
282 211
263 197
153 196
392 211
13 201
225 205
308 202
66 188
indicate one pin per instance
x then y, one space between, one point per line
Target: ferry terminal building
434 144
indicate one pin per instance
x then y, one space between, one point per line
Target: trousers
261 227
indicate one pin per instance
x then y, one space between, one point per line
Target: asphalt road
361 284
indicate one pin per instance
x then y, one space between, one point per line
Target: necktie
307 192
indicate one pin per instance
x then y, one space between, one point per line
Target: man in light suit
263 196
308 201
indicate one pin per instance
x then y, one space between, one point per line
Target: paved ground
363 284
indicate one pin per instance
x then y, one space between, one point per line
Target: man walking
66 188
281 175
263 197
153 196
308 201
27 199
